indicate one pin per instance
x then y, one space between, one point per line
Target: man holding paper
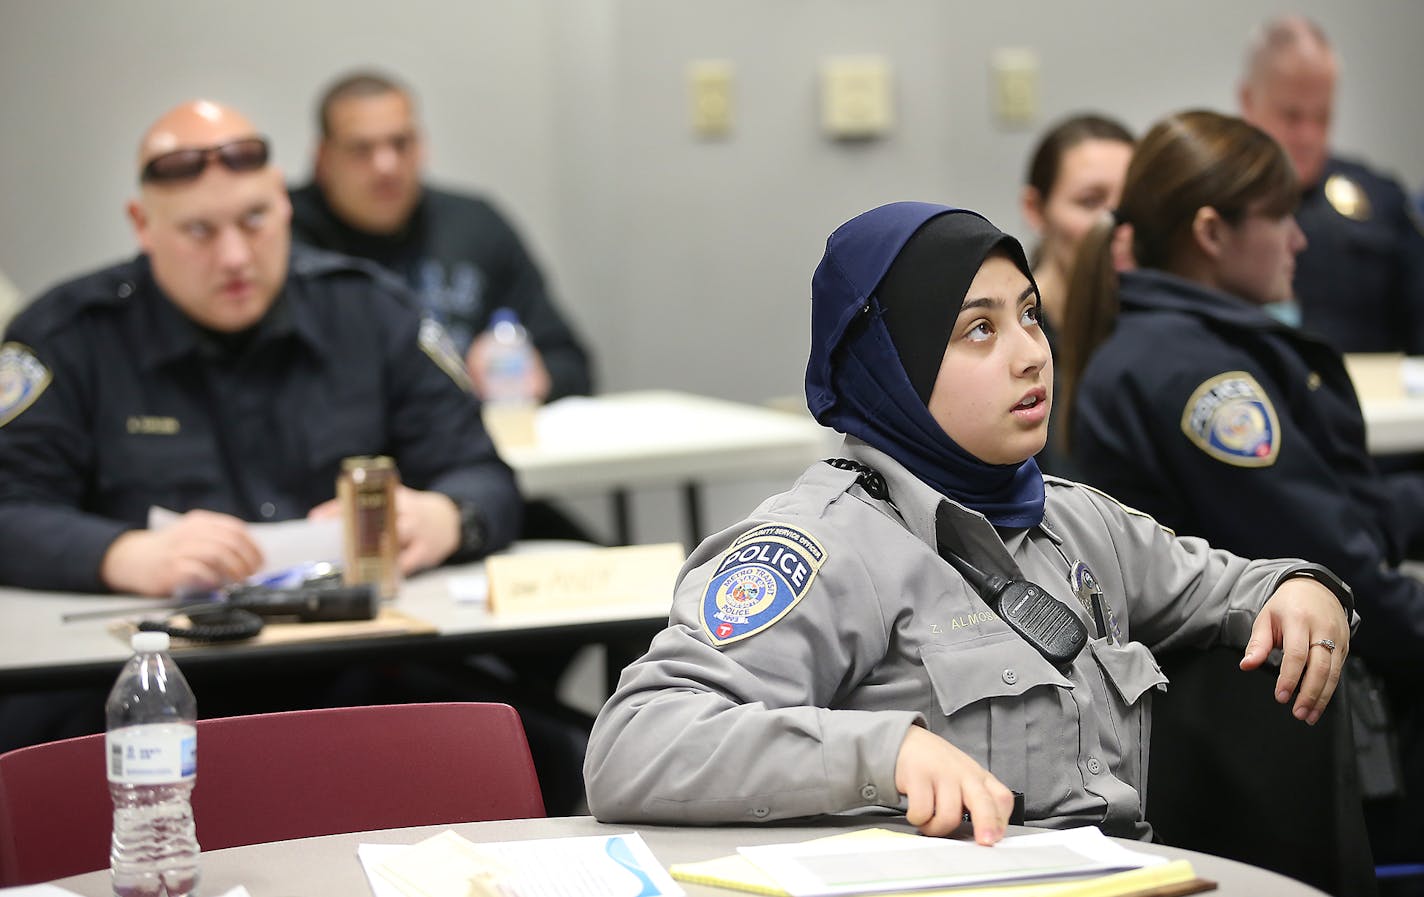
225 374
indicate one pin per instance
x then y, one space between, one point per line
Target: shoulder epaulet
57 308
308 261
1126 509
319 264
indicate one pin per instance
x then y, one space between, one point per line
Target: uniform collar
360 243
168 334
930 516
1151 289
1147 289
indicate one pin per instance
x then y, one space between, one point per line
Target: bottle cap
149 642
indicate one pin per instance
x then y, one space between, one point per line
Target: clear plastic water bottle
509 365
153 761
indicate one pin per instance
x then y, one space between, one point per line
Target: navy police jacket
1205 412
112 401
1360 279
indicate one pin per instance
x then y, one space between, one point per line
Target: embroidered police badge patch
759 580
22 379
437 344
1231 419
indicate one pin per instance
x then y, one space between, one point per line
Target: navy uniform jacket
462 260
144 408
1220 422
1360 280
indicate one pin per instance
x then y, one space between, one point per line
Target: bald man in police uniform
1360 281
224 374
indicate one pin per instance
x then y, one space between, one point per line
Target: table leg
622 517
692 506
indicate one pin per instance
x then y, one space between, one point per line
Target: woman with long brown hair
1188 400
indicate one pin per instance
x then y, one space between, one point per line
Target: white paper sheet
593 866
285 544
901 864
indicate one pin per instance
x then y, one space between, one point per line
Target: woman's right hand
942 783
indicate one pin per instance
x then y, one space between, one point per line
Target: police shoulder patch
760 578
436 343
23 377
1231 418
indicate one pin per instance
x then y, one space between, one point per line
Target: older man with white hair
1360 281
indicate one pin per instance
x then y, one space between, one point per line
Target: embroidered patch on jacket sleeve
23 377
765 573
1231 418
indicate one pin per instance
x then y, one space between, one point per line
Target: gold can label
366 489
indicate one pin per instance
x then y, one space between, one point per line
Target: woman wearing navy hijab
827 654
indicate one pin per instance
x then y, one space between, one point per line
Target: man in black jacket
456 252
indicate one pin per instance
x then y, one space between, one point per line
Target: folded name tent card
602 577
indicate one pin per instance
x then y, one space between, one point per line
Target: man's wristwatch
1322 575
473 535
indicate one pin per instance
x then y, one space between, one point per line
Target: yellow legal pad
1167 880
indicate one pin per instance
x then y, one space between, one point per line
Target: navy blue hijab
856 378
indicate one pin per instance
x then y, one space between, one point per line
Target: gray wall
686 262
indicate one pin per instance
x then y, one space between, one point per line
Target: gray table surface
328 866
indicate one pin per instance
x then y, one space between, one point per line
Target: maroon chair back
277 776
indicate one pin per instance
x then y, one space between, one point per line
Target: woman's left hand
1304 619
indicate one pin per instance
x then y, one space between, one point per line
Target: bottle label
153 753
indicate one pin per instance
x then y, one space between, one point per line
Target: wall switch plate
710 84
856 97
1015 86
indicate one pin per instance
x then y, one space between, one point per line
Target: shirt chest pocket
1132 674
991 692
341 430
136 471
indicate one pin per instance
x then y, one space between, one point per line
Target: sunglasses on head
247 154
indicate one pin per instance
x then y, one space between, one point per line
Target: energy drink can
366 489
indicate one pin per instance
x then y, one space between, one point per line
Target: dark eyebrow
987 302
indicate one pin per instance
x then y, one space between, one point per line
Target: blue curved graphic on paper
617 850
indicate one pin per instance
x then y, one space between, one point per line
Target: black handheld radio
243 609
1038 617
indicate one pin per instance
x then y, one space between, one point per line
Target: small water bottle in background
509 366
152 748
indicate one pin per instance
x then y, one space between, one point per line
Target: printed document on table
814 869
592 866
285 544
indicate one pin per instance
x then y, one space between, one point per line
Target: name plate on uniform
602 577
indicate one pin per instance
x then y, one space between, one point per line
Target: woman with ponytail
1188 399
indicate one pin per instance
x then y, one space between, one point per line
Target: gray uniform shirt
806 715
